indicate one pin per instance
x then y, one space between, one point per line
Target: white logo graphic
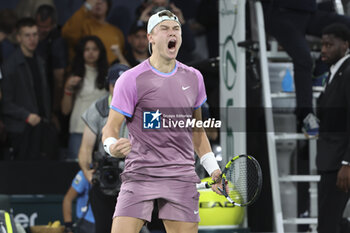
196 212
185 88
151 120
155 115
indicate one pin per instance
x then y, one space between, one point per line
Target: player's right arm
111 130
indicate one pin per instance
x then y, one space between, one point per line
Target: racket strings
243 180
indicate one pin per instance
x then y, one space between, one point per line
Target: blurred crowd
52 72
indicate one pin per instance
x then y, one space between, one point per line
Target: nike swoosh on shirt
185 88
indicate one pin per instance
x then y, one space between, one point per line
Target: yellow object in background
56 223
216 210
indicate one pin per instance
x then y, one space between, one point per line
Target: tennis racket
241 180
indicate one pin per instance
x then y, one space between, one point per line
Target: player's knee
127 225
180 227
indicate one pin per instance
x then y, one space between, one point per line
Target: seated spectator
28 8
8 21
149 7
78 190
26 98
90 19
53 49
85 85
137 39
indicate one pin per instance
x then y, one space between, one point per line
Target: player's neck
161 64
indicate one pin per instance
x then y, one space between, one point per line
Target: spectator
137 39
149 7
28 8
84 86
53 49
25 94
333 148
289 21
8 21
90 19
78 190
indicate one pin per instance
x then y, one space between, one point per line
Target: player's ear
150 37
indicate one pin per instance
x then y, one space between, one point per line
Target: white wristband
209 162
346 163
107 143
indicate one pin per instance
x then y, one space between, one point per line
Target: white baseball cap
159 17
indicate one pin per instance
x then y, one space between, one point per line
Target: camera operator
104 176
150 7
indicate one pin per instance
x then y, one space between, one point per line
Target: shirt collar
334 68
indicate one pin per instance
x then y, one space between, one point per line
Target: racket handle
203 185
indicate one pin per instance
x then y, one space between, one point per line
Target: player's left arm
203 149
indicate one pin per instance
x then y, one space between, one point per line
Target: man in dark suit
333 146
26 98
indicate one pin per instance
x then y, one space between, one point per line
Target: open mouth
171 44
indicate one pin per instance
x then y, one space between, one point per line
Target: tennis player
159 163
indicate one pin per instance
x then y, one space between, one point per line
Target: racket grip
203 185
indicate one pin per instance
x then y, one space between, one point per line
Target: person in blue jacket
78 190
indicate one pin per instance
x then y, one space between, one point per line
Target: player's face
91 53
166 39
333 49
28 38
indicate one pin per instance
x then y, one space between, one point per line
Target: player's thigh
127 225
180 227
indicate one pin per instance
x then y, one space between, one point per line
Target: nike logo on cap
185 88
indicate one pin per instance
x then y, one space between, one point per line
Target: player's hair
166 13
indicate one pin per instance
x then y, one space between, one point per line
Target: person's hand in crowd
145 15
90 4
88 175
33 119
118 53
116 50
177 11
343 178
71 83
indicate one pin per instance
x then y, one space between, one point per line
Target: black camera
107 173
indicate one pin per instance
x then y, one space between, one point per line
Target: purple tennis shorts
177 200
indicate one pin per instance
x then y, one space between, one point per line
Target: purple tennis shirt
153 103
